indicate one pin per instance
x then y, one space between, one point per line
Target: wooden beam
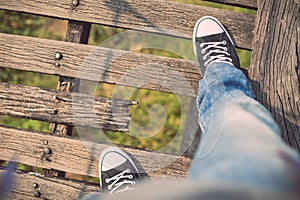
79 156
100 64
275 64
47 188
164 17
77 32
64 108
251 4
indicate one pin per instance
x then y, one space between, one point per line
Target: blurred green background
43 27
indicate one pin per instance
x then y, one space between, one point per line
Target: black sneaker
212 44
117 171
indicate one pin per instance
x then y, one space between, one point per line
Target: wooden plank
79 156
100 64
275 70
164 17
64 108
49 188
252 4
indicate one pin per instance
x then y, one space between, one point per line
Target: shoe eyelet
205 64
106 180
204 58
201 45
203 51
224 42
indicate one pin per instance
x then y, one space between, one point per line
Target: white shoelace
115 185
221 53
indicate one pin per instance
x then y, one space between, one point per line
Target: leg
241 142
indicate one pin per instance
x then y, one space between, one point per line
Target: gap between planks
250 4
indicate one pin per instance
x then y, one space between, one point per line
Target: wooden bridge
273 35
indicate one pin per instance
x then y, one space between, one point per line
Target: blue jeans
240 153
240 141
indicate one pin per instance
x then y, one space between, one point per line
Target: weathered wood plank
275 64
64 108
79 156
100 64
49 188
252 4
157 16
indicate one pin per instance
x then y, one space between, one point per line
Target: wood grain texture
50 188
276 64
78 32
100 64
252 4
64 108
79 156
164 17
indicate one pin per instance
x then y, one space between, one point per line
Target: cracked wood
64 108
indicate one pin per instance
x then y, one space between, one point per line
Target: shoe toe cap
112 160
208 27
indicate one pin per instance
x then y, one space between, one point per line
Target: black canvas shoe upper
119 179
213 47
117 171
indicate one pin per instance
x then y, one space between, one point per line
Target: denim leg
240 143
219 80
